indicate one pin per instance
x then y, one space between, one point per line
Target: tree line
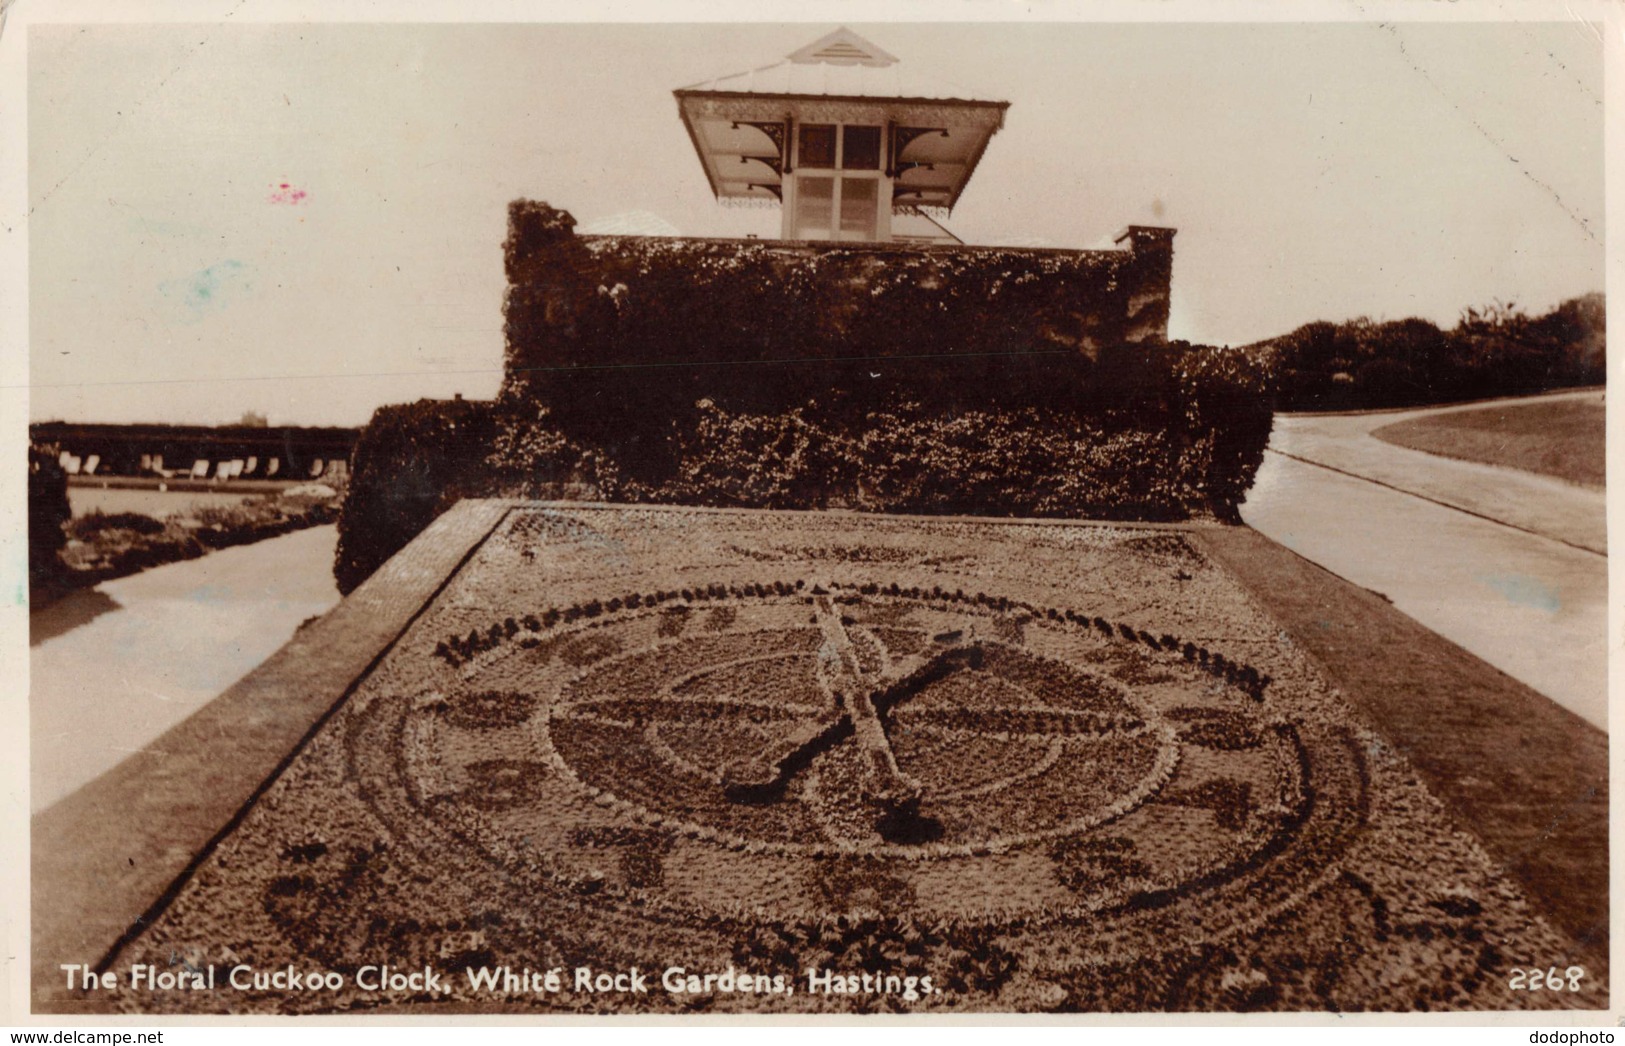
1496 350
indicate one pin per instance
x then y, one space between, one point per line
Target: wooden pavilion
854 145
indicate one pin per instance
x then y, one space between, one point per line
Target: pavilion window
837 206
815 207
817 145
860 148
860 206
826 136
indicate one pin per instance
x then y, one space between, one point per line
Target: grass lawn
1563 438
154 503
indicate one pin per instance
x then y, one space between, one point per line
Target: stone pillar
533 227
1148 276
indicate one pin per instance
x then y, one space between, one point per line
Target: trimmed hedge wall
772 374
1182 435
412 462
603 329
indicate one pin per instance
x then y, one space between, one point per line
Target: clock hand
886 781
784 761
767 780
861 706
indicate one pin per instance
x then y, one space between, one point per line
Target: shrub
531 458
1228 398
1493 351
411 463
48 512
1016 463
788 460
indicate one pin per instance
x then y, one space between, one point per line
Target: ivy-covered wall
766 374
635 323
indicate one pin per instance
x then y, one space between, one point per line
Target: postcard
1096 515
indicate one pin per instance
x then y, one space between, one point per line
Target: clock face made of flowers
801 751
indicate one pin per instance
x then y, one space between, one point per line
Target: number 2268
1551 980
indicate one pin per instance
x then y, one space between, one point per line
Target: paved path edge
1533 502
109 856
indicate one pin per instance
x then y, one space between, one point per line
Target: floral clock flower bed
980 766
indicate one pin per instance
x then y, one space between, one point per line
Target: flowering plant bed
959 766
103 546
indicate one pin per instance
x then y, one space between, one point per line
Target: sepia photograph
1097 514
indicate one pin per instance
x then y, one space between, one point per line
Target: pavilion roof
839 65
942 129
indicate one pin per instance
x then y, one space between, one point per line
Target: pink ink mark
285 193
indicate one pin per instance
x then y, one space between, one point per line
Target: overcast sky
306 221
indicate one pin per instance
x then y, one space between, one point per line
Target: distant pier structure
198 451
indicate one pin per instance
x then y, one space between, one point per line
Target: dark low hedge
1166 433
905 459
89 525
1364 365
413 462
104 546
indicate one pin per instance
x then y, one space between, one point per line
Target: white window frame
881 232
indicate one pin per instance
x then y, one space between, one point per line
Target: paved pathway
113 668
1507 564
1540 504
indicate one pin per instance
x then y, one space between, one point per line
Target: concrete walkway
1509 565
112 668
1540 504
